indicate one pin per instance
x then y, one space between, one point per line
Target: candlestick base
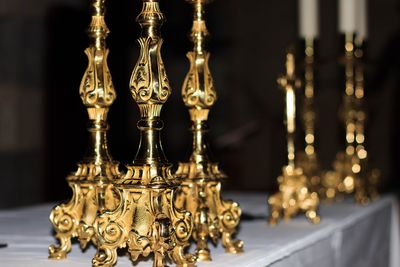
214 218
293 197
76 218
146 221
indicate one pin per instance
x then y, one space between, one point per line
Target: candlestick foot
215 218
59 252
75 218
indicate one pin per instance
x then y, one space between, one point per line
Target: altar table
349 235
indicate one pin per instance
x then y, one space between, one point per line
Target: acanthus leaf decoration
198 87
165 87
96 88
191 82
141 78
149 81
210 92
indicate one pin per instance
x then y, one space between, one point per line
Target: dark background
43 121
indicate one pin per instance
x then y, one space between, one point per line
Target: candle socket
351 174
214 218
91 184
294 193
146 220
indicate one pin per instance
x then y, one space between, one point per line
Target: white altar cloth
349 235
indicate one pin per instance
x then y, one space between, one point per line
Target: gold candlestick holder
294 194
350 173
214 217
146 220
308 159
92 182
368 190
347 165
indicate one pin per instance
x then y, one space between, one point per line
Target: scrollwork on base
146 222
214 218
66 220
76 218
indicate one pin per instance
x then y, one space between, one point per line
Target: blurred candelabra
214 217
92 182
350 174
308 159
294 194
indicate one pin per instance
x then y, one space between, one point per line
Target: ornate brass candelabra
368 187
350 173
92 182
294 194
308 159
214 217
347 165
146 220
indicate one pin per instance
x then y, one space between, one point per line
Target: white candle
347 16
308 19
362 19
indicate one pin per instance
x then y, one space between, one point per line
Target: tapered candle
308 19
362 19
347 16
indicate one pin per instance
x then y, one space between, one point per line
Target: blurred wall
43 122
22 100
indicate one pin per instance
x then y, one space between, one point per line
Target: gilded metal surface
92 182
308 159
214 218
351 174
147 220
294 195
